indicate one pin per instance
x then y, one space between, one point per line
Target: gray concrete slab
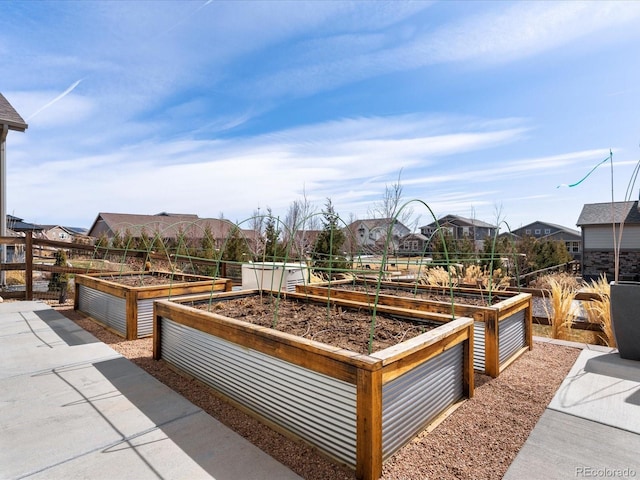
604 388
563 446
591 428
71 407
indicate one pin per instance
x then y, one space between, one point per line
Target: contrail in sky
180 22
59 97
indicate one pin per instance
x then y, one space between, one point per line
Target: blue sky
212 107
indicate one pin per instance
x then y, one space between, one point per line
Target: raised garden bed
354 407
502 323
123 302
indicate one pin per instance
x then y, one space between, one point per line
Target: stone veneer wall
595 263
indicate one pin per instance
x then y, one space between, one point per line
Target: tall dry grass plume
471 275
439 277
480 276
599 310
565 279
560 307
15 278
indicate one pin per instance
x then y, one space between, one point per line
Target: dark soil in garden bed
149 279
337 326
425 294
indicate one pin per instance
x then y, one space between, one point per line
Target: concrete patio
73 408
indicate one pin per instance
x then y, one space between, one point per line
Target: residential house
597 221
17 227
59 233
371 236
551 231
166 226
460 228
413 244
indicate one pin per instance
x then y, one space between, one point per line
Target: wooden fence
39 258
35 261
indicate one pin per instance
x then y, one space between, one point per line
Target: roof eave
15 126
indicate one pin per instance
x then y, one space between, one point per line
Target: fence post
28 272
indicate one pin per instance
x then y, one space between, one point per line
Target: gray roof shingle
9 116
607 213
166 225
457 220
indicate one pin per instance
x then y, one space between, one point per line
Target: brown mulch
333 325
426 294
478 441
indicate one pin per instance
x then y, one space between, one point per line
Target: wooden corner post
369 424
468 377
131 315
28 272
491 344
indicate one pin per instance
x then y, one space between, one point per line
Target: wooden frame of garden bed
356 409
500 324
128 311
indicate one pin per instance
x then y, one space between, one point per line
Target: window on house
547 231
537 232
528 231
62 235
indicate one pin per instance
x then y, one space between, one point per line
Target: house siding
601 237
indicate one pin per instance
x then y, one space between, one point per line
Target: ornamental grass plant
599 310
560 307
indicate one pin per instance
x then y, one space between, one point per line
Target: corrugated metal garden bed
502 323
123 302
356 408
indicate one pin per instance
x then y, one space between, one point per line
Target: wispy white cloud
502 170
240 174
526 28
511 31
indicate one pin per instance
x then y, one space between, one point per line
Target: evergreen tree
208 243
182 247
463 251
117 241
489 253
236 248
273 250
103 240
128 241
59 281
438 245
526 248
157 245
550 253
326 256
144 241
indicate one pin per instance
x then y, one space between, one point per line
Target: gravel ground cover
478 441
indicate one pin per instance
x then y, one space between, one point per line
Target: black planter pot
625 318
